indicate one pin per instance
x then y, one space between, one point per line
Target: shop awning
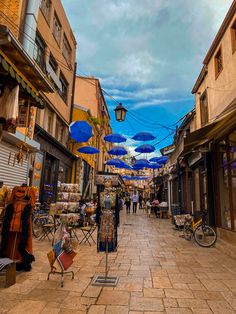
25 67
224 124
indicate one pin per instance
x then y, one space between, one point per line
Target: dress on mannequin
16 241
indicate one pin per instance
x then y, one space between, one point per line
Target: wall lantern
120 112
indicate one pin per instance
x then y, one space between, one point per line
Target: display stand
62 273
105 281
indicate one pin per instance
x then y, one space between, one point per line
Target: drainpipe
30 26
179 185
75 162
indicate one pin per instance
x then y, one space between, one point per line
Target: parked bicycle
202 233
41 221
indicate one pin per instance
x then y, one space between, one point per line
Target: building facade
55 53
88 96
44 36
21 83
212 146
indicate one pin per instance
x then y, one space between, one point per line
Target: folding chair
88 233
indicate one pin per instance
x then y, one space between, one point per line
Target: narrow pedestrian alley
159 272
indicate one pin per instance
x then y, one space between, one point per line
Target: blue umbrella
80 131
123 166
88 150
154 165
114 162
137 167
146 148
143 136
118 151
114 138
160 160
141 162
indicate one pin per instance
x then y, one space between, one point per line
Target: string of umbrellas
81 131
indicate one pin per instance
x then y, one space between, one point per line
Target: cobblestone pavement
159 272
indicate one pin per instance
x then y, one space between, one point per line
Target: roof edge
220 32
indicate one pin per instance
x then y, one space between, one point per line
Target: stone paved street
159 272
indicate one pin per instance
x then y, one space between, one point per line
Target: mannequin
16 241
107 218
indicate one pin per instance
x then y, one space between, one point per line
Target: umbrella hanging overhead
143 136
115 138
160 160
88 150
137 167
154 165
80 131
114 162
141 162
146 148
118 151
123 166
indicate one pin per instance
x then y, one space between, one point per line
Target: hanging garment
107 217
16 241
9 107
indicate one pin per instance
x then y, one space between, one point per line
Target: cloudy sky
147 54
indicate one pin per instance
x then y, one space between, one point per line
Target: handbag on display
65 260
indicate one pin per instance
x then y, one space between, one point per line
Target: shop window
56 30
64 88
196 183
53 63
39 51
218 62
48 121
233 36
66 49
46 9
227 182
204 109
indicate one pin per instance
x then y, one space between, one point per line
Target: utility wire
63 65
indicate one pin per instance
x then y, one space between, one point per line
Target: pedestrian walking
135 202
140 200
155 204
149 207
128 204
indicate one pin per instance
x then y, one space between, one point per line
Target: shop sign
37 171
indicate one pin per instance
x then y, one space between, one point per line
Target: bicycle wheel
37 227
187 231
205 235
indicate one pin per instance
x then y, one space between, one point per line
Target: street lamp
120 112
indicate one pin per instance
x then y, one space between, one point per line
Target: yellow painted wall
79 114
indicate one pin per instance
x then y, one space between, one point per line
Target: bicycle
40 221
202 233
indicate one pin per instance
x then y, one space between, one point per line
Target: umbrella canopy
123 166
114 162
118 151
114 138
137 167
160 160
146 148
141 162
154 165
90 150
143 136
80 131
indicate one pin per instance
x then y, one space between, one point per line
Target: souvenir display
69 187
16 241
61 256
67 199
